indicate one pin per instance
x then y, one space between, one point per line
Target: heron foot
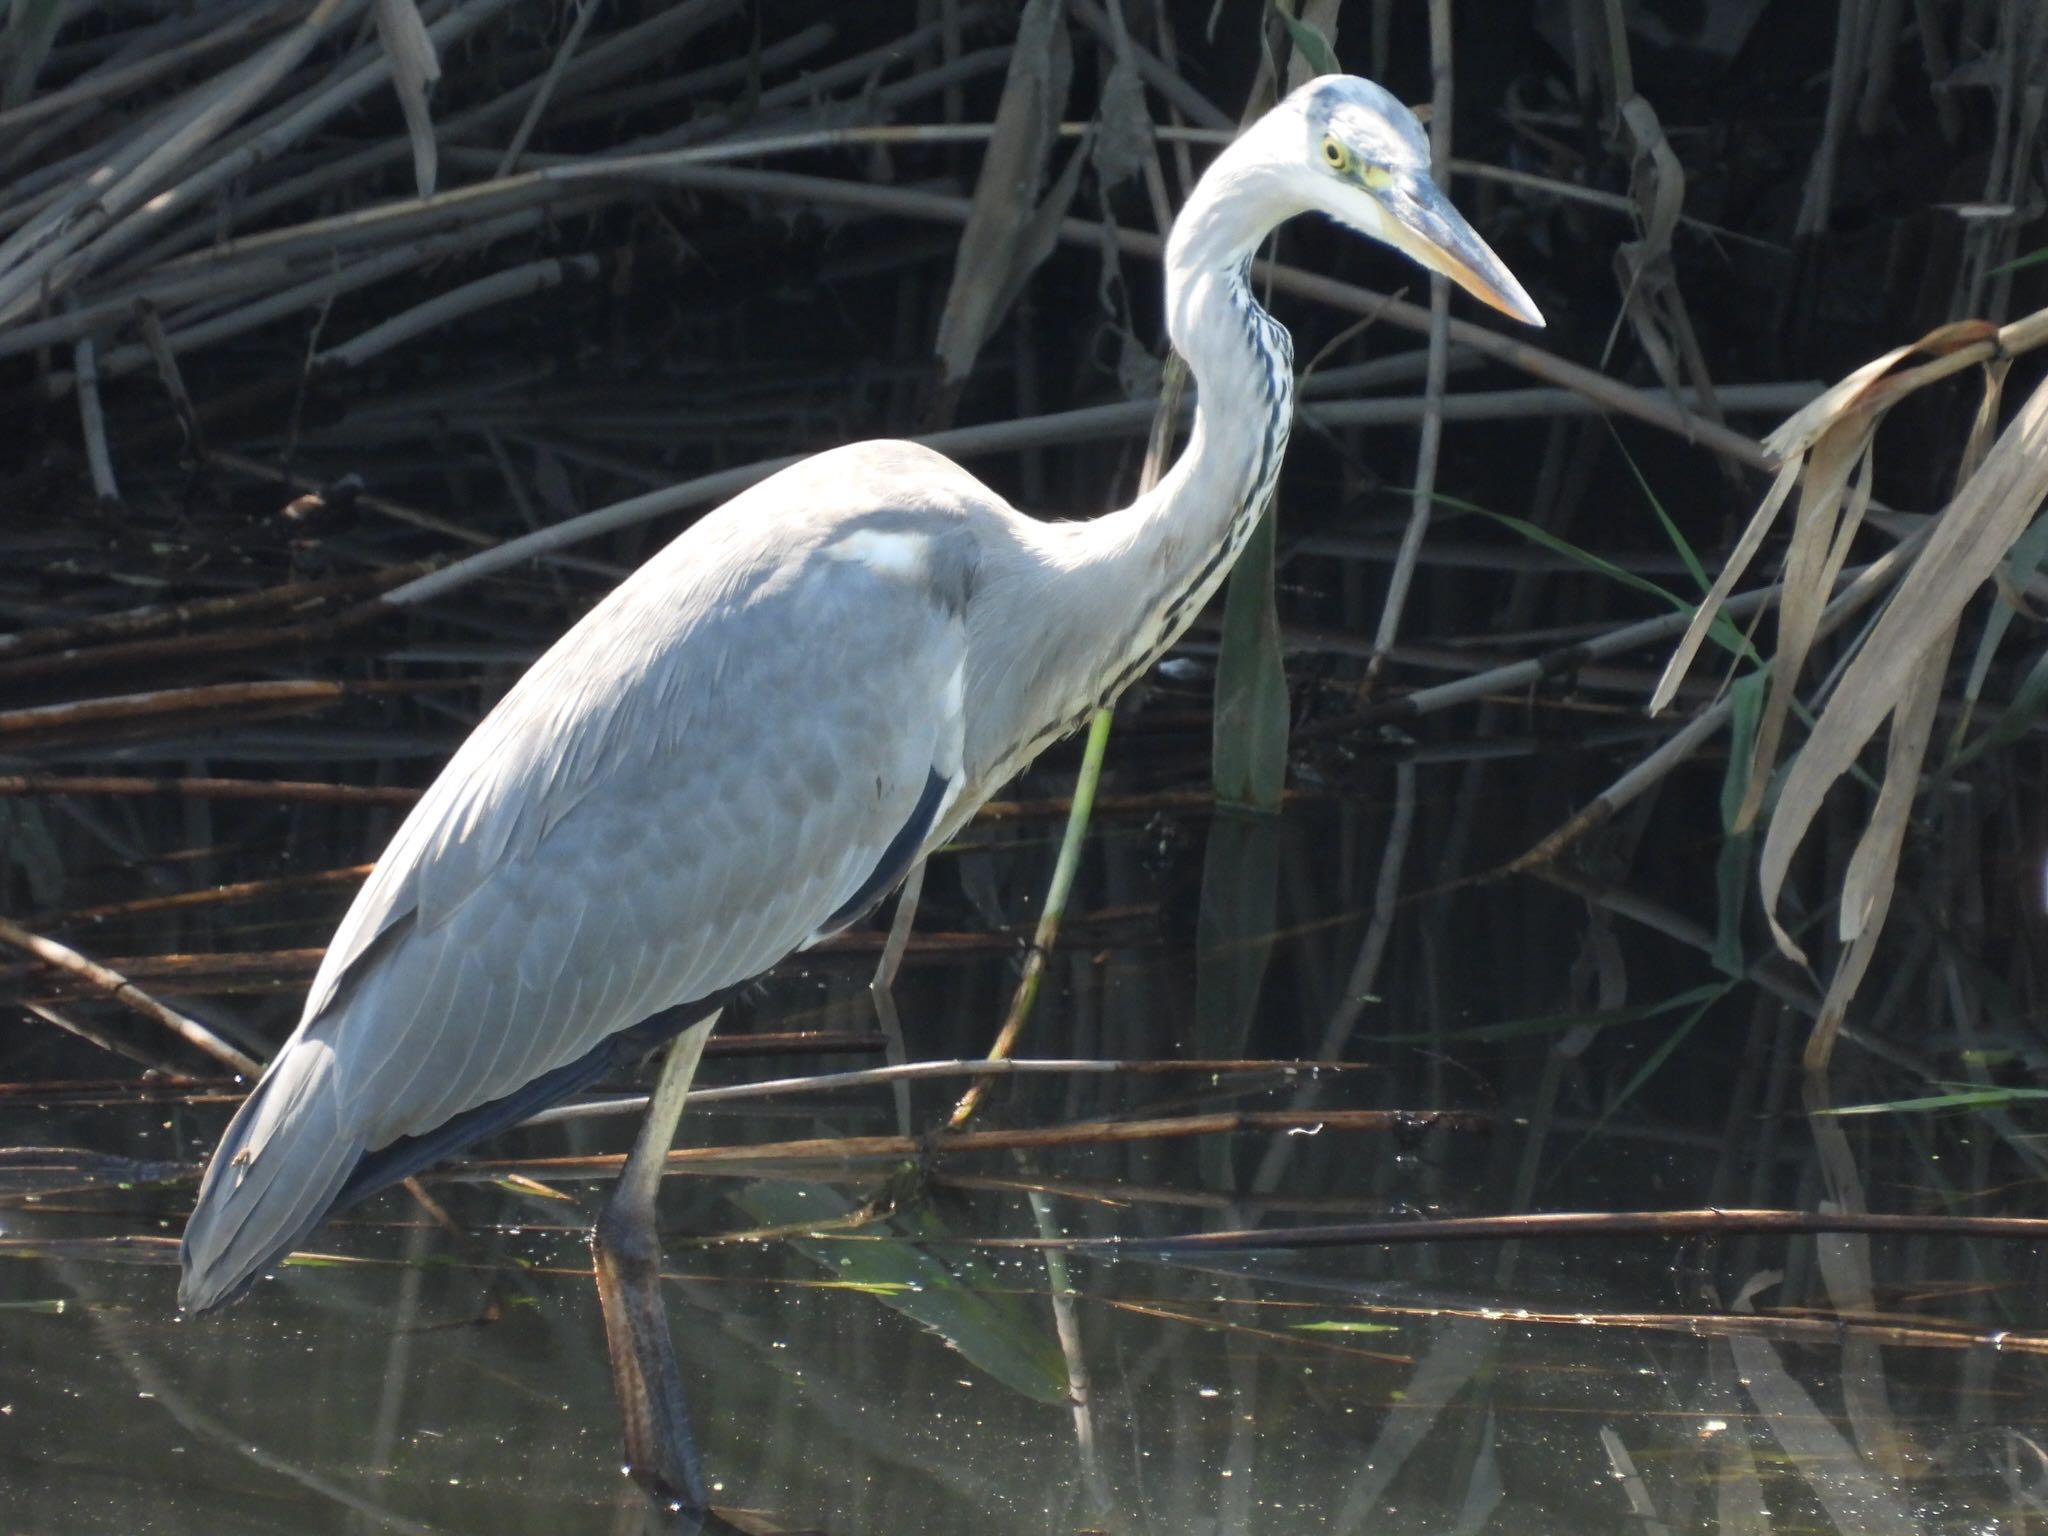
661 1453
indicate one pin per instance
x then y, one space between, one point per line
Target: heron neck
1130 582
1165 554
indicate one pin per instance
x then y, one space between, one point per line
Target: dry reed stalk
136 623
208 789
925 1071
1422 497
43 257
674 169
1098 1133
269 969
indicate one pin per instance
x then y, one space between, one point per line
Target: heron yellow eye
1335 155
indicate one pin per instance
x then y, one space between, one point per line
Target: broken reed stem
545 91
92 1034
112 984
446 308
383 506
104 82
1422 498
1867 585
1696 733
61 243
92 421
214 645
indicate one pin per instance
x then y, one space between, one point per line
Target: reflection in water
442 1369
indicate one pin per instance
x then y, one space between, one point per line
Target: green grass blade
1250 730
1968 1098
1678 540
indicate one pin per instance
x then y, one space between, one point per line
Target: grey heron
756 736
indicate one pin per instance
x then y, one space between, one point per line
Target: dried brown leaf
1866 394
1984 427
1860 389
1651 300
1872 877
1820 536
1910 639
1867 884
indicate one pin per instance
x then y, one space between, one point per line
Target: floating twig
633 1104
834 1149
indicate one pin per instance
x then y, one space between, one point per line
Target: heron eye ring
1335 155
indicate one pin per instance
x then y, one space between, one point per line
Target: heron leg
893 1050
660 1452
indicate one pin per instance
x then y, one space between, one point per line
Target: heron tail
292 1154
275 1174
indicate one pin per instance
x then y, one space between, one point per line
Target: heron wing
732 754
639 825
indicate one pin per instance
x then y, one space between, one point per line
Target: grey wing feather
687 787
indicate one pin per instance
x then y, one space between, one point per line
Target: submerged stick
114 985
1422 497
1856 595
1711 1221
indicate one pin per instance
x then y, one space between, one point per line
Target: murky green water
889 1377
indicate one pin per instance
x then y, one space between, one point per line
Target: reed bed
352 348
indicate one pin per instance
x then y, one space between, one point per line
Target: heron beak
1426 227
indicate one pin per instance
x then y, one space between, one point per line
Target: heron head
1363 159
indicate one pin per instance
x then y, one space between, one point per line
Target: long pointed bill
1426 227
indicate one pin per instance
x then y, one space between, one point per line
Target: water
889 1377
